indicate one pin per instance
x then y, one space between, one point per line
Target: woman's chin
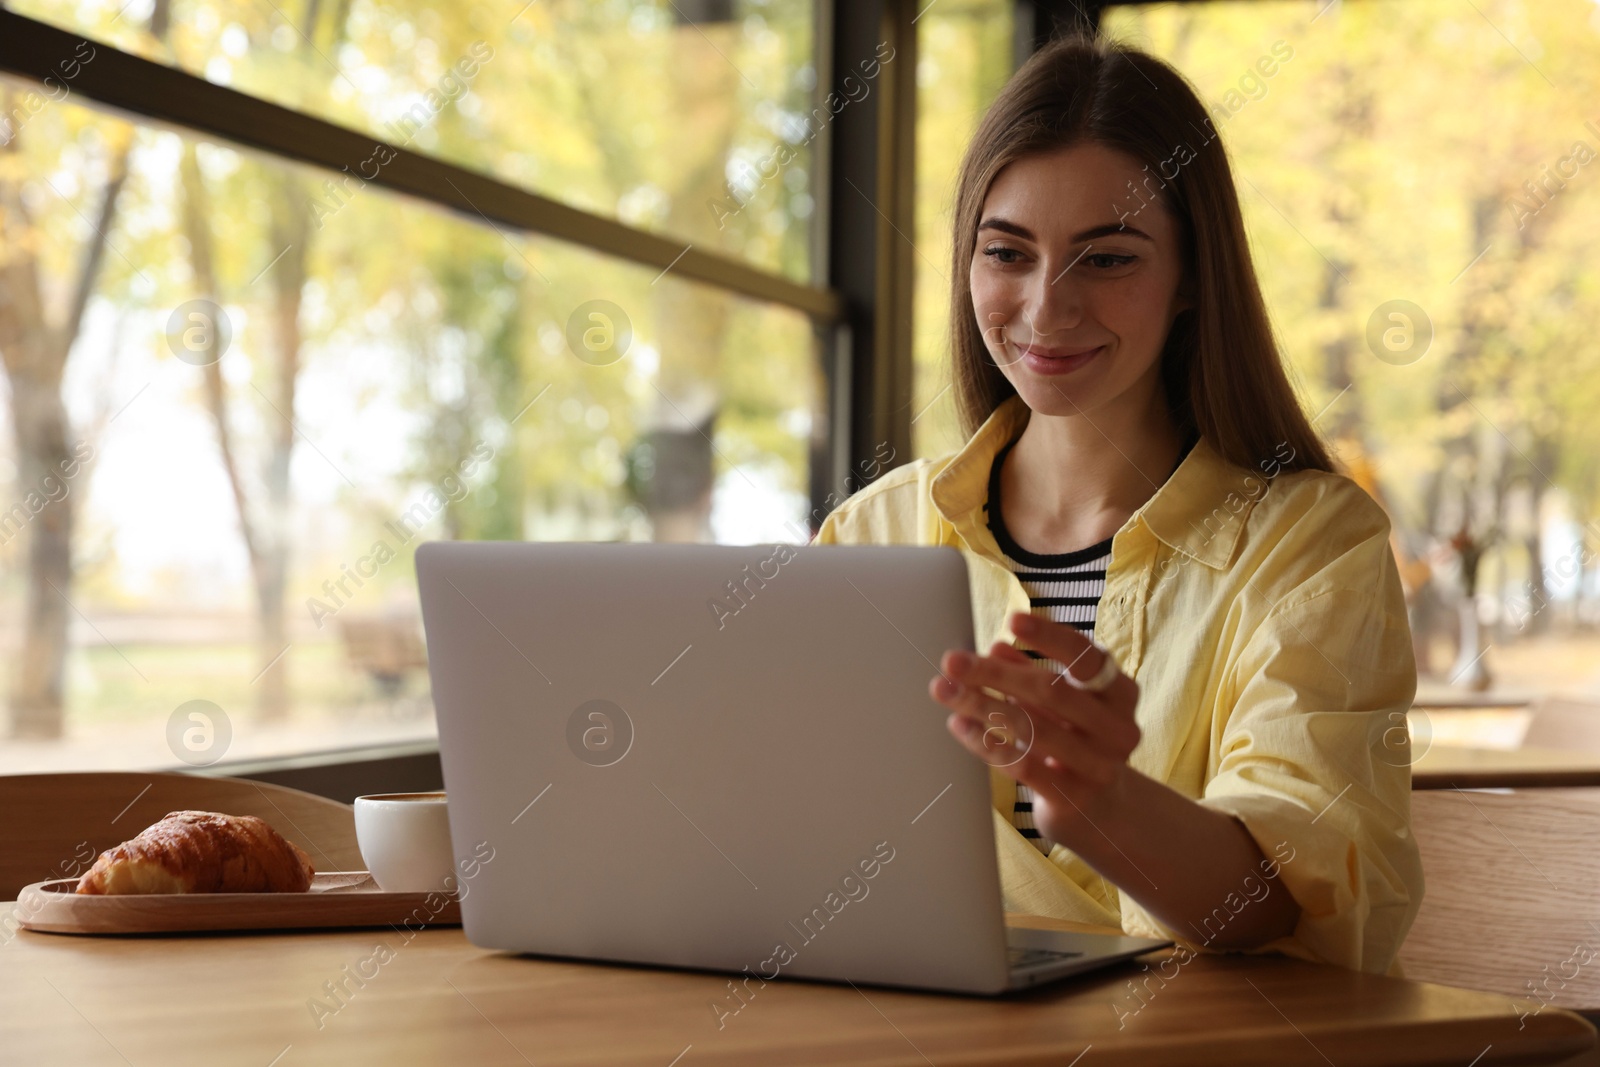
1047 396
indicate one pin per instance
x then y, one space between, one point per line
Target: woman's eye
1108 261
1003 255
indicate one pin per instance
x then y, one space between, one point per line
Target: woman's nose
1055 301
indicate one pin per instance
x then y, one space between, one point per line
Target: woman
1226 762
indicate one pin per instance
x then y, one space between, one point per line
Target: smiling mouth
1059 353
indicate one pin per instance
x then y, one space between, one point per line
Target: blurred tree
34 347
264 524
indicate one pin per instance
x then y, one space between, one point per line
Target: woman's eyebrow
994 222
1111 229
1107 229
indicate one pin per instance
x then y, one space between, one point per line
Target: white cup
405 841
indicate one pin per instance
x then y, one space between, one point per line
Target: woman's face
1075 279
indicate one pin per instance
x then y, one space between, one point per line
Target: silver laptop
726 758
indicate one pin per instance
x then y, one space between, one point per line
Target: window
243 389
1418 179
598 290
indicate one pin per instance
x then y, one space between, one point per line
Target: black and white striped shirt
1063 586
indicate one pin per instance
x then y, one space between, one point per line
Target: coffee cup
405 840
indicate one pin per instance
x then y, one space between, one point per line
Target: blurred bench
387 647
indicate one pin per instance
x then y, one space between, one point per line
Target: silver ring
1102 678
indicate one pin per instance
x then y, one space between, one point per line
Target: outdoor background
378 372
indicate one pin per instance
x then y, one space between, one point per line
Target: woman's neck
1072 480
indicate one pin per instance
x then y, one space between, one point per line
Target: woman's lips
1058 360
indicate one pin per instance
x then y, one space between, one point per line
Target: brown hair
1223 373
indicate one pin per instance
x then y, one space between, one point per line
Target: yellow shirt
1261 614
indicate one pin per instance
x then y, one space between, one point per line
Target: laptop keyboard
1034 957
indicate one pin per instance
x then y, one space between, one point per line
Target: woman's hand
1070 746
1169 852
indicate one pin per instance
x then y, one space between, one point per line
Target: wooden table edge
1559 1034
1562 1023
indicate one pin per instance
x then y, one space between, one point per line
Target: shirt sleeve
1313 759
863 518
828 532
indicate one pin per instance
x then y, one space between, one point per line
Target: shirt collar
1193 512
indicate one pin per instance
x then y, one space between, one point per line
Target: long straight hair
1221 368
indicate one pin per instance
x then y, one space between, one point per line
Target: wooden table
436 999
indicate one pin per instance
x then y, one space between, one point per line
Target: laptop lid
714 757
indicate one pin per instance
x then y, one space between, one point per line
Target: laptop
722 758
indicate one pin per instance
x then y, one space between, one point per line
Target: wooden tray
337 898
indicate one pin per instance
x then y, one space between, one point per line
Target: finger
1056 640
999 650
1004 731
946 686
1100 732
1066 645
1003 650
1021 757
1022 680
1029 745
1055 764
1032 687
1081 656
988 742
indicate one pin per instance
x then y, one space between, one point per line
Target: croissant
201 852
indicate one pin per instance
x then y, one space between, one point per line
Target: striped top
1063 586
